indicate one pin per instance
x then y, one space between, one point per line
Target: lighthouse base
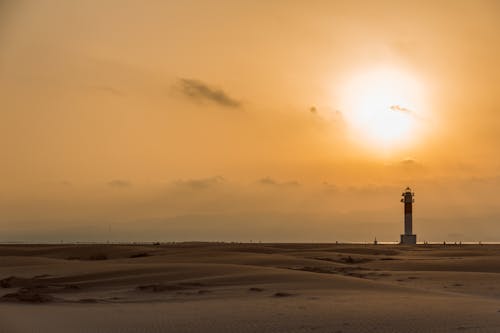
408 239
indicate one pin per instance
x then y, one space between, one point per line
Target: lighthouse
408 238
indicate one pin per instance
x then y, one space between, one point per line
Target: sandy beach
205 287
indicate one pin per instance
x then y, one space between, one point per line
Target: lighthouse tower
408 238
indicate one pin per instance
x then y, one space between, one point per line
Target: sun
382 107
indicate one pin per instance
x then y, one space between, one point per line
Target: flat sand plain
207 287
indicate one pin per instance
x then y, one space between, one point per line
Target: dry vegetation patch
27 295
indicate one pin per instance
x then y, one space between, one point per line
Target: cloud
326 114
399 108
407 164
267 181
106 89
410 163
200 91
200 184
118 183
330 188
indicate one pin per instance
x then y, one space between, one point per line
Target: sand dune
202 287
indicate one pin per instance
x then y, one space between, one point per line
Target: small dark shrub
98 256
140 255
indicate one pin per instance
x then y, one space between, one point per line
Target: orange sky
239 120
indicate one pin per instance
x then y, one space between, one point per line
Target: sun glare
382 107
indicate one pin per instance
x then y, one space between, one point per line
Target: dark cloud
271 182
200 91
200 184
118 183
313 109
